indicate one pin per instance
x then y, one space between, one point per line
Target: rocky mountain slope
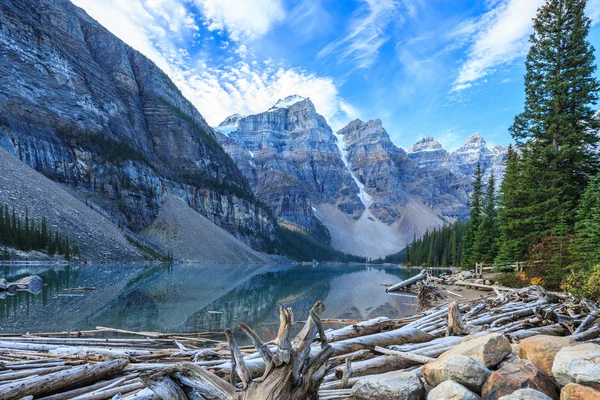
193 238
86 110
427 152
371 195
98 239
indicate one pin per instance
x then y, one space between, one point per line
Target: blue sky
441 68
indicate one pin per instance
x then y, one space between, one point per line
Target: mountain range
354 185
106 124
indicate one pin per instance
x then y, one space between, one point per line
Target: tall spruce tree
512 244
487 234
470 251
555 134
585 249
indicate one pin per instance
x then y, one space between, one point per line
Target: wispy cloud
242 19
366 32
593 10
241 86
498 37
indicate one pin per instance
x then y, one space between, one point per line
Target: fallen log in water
406 283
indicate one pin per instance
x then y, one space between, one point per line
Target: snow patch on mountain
287 102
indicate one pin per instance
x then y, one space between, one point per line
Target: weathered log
552 330
587 322
588 334
108 393
416 358
53 382
455 324
383 339
163 386
347 374
368 327
406 283
84 390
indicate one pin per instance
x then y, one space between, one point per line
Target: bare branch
236 355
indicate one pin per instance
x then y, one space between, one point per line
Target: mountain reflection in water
194 298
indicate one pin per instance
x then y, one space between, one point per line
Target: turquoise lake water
197 298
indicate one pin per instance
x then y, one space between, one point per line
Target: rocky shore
510 344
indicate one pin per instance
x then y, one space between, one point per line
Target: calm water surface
194 298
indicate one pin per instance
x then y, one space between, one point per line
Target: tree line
26 234
548 208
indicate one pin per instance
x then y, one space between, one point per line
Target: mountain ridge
400 193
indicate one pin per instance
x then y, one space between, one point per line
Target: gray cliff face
413 195
379 165
371 195
87 110
427 152
290 157
463 161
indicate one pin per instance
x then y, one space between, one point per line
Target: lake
197 298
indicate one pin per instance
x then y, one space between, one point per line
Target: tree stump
290 372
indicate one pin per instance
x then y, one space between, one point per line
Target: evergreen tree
487 234
470 251
585 249
556 133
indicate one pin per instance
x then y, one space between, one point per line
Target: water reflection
191 298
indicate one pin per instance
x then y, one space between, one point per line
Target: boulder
542 349
578 364
465 275
575 391
391 386
450 390
519 374
525 394
461 369
489 350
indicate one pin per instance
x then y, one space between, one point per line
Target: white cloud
241 18
240 87
499 37
367 32
451 139
593 10
218 93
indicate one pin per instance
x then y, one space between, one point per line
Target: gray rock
526 394
87 110
461 369
391 386
450 390
489 350
578 364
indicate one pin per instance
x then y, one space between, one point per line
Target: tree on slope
555 134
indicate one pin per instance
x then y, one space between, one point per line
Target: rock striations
86 110
371 195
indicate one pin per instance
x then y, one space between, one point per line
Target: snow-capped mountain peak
229 125
426 144
287 102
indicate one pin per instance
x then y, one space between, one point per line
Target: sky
438 68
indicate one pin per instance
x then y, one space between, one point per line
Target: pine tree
555 134
585 249
487 234
470 252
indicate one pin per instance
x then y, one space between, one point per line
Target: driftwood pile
314 364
